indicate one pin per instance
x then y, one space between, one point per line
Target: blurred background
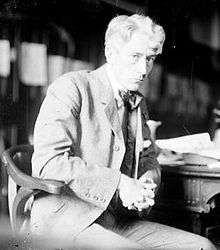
42 39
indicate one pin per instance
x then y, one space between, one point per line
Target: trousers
52 229
109 233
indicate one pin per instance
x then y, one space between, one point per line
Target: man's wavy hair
121 28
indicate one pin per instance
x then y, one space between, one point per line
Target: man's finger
149 201
140 198
148 193
132 207
126 204
149 185
141 206
146 179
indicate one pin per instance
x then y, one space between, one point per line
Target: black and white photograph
109 125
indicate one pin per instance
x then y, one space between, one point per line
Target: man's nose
142 67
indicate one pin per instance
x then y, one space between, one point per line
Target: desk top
193 170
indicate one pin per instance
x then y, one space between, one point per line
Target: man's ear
109 54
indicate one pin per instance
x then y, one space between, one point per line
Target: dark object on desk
17 161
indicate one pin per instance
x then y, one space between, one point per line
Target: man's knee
160 236
206 244
198 242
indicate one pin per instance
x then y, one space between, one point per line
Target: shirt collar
117 87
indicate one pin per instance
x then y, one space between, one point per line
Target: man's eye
135 57
151 58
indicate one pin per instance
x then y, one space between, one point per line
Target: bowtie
131 99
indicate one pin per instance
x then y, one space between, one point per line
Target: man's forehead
150 44
149 49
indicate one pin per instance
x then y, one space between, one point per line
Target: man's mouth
139 80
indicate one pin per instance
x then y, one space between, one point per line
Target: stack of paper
191 149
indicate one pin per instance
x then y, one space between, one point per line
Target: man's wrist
122 181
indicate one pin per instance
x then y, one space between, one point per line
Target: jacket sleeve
148 164
57 151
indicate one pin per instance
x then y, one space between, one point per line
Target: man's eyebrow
136 53
153 55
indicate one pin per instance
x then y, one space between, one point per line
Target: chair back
22 186
17 160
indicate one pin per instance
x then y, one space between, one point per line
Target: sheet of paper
213 152
200 144
186 144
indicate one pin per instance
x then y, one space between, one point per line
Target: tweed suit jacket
78 139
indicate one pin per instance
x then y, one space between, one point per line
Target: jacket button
116 148
87 195
96 197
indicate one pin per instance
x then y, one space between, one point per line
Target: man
92 134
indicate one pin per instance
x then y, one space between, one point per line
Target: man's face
133 62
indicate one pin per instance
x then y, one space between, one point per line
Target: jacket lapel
113 117
111 112
108 101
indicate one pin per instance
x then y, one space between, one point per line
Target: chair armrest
29 182
17 215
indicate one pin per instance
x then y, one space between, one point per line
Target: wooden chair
21 185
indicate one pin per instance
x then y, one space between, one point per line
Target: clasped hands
136 194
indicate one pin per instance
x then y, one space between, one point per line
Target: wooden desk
189 188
